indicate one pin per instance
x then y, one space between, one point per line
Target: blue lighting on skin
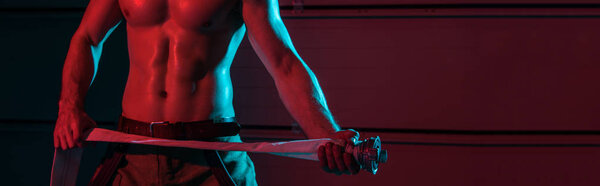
97 51
282 33
223 78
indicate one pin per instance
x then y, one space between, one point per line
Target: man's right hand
70 127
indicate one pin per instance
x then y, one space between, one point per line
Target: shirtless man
180 56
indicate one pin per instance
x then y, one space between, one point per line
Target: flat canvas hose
367 152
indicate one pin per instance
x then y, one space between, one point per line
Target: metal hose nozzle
368 153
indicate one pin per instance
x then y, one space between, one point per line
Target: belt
196 130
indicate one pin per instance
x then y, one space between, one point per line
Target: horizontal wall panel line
445 6
376 6
443 139
384 141
444 16
255 134
371 130
41 10
442 13
447 132
290 16
403 11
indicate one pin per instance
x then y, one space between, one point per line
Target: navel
162 94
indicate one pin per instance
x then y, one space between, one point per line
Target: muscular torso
180 52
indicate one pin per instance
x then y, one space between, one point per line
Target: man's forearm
78 73
301 94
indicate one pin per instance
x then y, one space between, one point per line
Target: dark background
488 92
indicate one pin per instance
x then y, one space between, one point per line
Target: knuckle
339 155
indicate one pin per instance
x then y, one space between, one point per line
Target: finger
339 160
323 158
56 141
351 164
354 133
77 137
342 141
353 140
63 142
330 159
352 137
69 137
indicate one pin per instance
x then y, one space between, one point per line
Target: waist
194 130
177 102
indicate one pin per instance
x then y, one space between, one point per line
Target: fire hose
367 152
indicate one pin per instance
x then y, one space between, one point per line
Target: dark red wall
462 92
443 73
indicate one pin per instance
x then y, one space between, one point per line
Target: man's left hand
333 157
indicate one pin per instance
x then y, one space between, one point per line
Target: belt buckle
156 123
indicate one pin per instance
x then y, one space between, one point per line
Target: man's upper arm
269 37
99 19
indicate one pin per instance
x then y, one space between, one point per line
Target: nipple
207 24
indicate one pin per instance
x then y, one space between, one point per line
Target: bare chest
193 14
